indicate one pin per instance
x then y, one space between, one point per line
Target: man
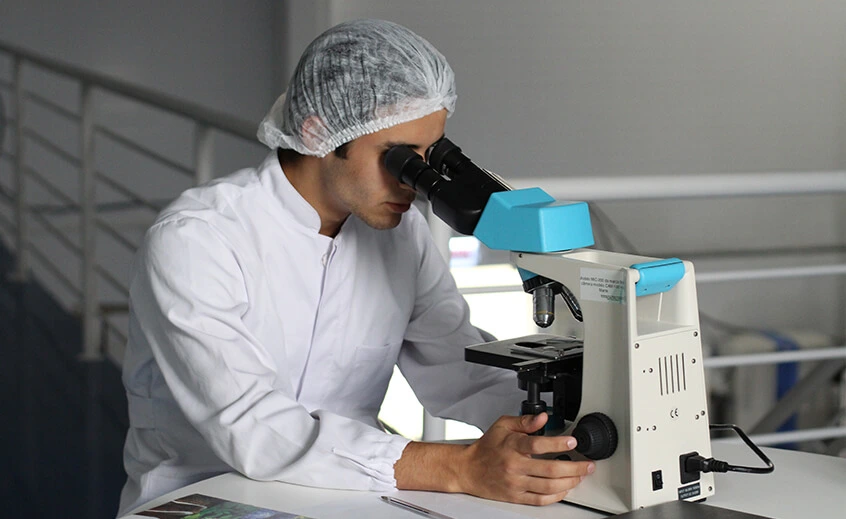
268 308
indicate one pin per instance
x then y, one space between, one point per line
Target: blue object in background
787 375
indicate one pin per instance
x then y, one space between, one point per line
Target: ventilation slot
671 374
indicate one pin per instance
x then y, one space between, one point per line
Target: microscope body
642 368
633 386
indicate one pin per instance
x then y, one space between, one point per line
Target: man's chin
383 224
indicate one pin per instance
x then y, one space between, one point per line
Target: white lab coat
258 345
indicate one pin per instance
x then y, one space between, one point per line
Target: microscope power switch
657 480
596 435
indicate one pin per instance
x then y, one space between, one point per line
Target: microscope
632 389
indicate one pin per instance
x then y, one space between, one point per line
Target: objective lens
543 299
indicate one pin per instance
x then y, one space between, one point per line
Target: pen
414 508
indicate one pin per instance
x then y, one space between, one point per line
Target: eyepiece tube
459 199
446 157
409 168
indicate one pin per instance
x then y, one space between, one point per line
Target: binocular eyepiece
457 188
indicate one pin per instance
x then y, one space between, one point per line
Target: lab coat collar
272 176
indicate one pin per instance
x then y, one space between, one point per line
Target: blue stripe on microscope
658 276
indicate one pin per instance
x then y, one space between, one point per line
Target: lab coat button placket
326 258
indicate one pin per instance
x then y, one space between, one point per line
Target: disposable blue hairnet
357 78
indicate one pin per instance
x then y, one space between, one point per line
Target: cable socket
697 463
692 464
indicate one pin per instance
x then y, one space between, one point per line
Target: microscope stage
526 353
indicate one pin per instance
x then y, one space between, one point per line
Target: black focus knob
597 436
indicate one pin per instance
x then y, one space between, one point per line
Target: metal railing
82 244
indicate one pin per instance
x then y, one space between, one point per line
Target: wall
214 52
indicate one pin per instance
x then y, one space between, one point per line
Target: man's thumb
530 423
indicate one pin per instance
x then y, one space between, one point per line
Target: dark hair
342 150
289 156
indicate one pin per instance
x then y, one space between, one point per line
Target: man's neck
304 175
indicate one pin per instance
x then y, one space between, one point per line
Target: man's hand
498 466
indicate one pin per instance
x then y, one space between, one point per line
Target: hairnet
357 78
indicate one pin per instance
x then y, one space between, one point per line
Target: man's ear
313 132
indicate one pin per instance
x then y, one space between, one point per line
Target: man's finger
549 486
554 469
536 445
530 498
527 424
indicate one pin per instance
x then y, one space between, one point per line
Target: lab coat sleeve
189 295
432 356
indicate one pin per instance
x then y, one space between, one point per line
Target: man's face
361 185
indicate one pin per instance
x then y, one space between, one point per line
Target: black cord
701 464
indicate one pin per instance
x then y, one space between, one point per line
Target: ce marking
674 413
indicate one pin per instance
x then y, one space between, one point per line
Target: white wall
656 86
215 52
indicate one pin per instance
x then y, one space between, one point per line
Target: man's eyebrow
397 143
391 144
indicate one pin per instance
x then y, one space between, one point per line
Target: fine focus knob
597 436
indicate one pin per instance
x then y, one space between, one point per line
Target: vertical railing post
92 350
203 154
27 370
21 273
88 234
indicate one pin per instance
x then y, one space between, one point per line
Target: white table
803 486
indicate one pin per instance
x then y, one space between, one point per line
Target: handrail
56 233
657 187
53 268
125 191
771 273
143 150
217 119
707 277
45 142
779 357
54 107
51 188
822 433
115 234
116 284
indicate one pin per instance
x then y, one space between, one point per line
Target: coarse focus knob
597 436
